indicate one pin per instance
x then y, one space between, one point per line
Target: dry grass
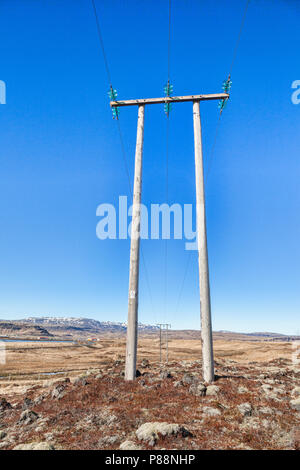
78 419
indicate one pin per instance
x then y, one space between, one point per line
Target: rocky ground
253 406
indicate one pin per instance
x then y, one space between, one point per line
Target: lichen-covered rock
108 441
4 444
144 363
198 389
28 403
58 392
265 410
129 445
245 409
165 374
178 383
189 378
295 404
267 388
35 446
209 411
150 432
28 417
81 381
296 392
212 390
4 404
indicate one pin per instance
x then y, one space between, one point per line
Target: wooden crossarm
169 99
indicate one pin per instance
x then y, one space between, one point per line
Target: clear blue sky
61 157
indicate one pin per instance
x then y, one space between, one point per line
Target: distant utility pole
163 326
206 326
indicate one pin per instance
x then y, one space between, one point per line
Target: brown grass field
27 362
87 404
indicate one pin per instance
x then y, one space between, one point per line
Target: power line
239 37
169 40
101 43
212 151
183 281
123 151
168 89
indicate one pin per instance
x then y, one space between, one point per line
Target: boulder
81 381
108 441
129 445
150 432
165 374
4 404
145 363
245 409
58 391
295 404
28 403
198 389
212 390
178 383
189 379
208 411
28 417
35 446
296 392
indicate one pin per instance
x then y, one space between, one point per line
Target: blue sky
61 157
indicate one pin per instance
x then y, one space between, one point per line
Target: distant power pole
167 350
206 326
163 326
160 343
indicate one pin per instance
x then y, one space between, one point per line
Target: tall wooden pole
132 325
206 327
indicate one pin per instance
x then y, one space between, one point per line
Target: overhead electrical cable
226 88
168 89
113 95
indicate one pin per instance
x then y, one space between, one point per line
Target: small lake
36 340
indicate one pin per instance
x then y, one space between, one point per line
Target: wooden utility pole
206 328
206 325
132 326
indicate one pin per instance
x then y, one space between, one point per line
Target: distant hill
71 327
82 323
64 327
22 329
